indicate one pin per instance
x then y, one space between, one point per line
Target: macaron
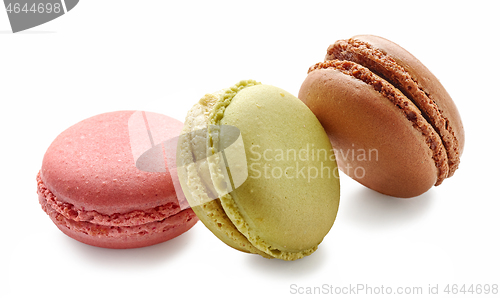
90 187
268 185
394 127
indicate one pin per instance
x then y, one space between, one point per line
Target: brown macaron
394 127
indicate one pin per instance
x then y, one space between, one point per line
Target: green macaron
278 195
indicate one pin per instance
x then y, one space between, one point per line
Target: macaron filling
407 107
388 68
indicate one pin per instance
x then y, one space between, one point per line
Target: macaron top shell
90 166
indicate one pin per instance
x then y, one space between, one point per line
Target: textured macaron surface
412 78
287 205
371 95
90 185
290 199
374 141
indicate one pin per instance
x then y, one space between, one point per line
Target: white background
158 56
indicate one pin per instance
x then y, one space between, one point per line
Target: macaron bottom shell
119 237
216 220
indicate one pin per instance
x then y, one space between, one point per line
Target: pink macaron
90 187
